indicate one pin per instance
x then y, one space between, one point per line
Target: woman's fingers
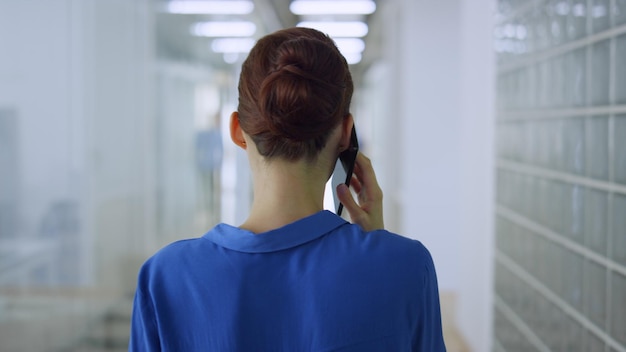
355 184
349 204
369 211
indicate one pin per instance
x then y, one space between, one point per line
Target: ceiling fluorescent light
350 45
231 58
338 29
232 45
213 7
353 58
332 7
224 29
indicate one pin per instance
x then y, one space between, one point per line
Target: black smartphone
344 168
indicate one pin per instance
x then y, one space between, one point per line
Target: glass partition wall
111 127
560 268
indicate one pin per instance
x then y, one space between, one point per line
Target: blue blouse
318 284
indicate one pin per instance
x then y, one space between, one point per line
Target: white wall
438 159
475 294
425 119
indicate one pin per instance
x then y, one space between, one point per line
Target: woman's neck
283 193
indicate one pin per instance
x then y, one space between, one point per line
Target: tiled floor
111 334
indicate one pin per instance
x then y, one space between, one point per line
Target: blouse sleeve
144 334
429 336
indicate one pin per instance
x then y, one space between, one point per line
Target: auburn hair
295 87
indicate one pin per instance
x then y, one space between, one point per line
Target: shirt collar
288 236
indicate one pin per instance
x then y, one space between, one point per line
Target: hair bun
302 95
294 90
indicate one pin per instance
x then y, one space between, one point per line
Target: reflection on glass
574 147
600 73
619 12
576 77
618 245
557 11
577 20
600 19
618 308
597 147
574 213
620 69
572 279
596 220
541 28
619 157
558 81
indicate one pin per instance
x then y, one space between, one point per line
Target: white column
426 69
475 295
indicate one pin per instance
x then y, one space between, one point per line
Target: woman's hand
368 213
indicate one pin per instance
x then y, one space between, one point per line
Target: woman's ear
236 133
346 132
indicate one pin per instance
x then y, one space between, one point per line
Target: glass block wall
560 266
